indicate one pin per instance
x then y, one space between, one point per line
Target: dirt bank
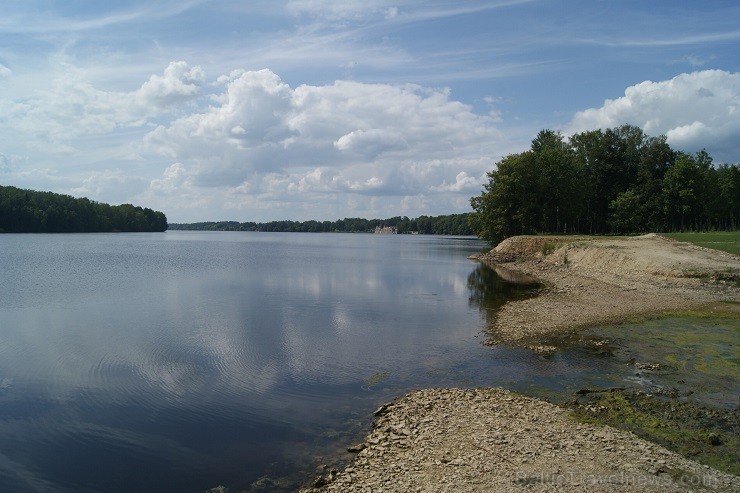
589 281
491 440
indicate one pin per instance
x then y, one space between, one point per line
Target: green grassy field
727 241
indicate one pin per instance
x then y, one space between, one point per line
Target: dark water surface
186 360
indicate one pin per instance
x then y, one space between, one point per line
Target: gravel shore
493 440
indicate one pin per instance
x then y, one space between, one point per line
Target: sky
320 109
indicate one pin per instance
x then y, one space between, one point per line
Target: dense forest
453 224
28 211
614 181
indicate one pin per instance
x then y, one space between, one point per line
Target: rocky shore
493 440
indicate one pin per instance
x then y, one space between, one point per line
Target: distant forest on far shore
452 224
29 211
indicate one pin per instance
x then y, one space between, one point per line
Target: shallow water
692 358
186 360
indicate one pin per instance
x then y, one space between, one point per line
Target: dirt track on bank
492 440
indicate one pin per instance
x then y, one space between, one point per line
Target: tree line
452 224
29 211
614 181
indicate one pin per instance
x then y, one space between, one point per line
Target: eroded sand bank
591 281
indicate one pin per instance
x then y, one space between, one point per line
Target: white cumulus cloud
694 110
173 179
178 83
463 182
247 140
344 136
70 106
370 143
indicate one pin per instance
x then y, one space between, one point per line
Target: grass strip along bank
726 241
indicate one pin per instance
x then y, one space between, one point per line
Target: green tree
605 181
559 188
625 213
610 161
684 191
656 159
727 193
505 207
540 190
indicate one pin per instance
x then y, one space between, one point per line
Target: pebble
465 447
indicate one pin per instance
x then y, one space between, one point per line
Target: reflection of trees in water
489 292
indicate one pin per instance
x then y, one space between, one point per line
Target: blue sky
318 109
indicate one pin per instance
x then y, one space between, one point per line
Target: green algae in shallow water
703 345
705 434
694 356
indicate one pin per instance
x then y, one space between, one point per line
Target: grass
551 246
726 241
548 248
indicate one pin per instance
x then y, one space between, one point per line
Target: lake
181 361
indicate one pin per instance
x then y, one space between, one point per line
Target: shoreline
496 440
493 440
592 281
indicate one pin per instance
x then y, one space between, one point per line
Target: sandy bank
491 440
590 281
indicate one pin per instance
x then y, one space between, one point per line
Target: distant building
385 230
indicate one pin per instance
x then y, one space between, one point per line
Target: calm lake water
185 360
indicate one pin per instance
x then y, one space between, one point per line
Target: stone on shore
493 440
